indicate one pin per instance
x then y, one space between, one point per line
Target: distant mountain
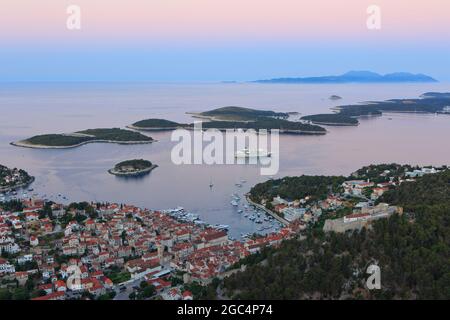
357 77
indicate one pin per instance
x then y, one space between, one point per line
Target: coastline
19 186
153 128
335 124
283 131
213 118
259 206
24 144
131 174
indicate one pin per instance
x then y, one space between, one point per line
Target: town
51 251
13 178
354 205
112 251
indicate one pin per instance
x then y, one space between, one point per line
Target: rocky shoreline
152 129
132 174
335 124
25 144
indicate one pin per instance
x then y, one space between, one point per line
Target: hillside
412 250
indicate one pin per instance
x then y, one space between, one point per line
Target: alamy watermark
373 282
73 21
74 278
374 20
227 147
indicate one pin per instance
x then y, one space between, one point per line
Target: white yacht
246 153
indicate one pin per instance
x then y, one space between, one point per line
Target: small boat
234 203
221 226
240 211
238 185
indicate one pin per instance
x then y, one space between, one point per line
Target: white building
6 267
278 200
25 258
421 172
291 214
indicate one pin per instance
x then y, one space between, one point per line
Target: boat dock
269 212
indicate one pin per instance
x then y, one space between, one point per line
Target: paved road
123 295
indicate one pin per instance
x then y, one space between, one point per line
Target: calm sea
81 173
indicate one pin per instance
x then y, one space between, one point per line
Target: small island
430 102
332 119
231 118
132 168
237 114
11 179
155 125
76 139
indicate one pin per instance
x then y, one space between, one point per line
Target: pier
269 212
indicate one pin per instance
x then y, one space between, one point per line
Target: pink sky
222 20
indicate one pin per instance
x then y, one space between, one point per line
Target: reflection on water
81 173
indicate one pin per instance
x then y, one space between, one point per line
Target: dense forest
136 164
316 187
266 123
113 134
240 113
412 251
156 123
332 119
256 124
